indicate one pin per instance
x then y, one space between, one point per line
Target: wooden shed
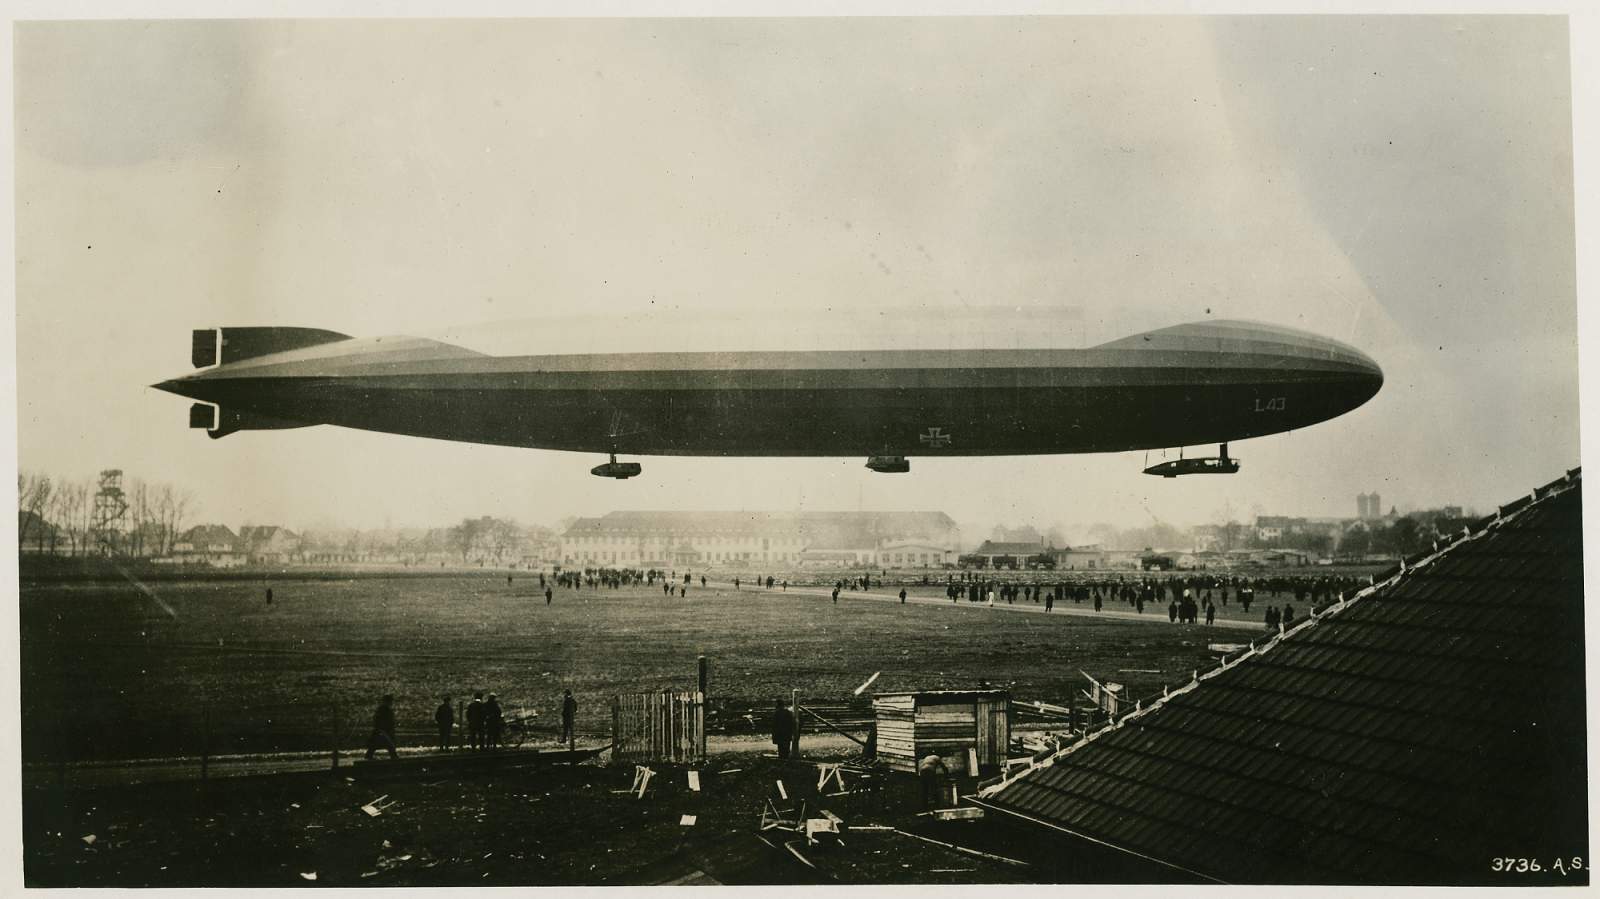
947 723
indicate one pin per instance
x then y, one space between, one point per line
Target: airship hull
1180 386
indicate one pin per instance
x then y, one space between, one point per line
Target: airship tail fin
219 346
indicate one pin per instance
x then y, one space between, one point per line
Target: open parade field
124 671
110 671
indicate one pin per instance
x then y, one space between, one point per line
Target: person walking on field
902 596
548 595
475 721
382 729
782 729
569 713
445 718
1211 613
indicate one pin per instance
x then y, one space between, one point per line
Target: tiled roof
204 535
994 548
1409 735
262 533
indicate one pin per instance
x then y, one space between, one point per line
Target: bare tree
52 514
172 505
75 515
33 495
142 512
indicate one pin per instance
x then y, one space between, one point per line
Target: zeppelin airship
1201 383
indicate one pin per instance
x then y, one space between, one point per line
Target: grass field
107 673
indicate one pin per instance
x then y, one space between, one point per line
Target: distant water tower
1369 505
110 512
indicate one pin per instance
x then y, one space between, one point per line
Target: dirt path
188 768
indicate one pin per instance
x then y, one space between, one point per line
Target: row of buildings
792 539
882 540
218 546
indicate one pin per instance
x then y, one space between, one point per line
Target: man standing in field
493 721
475 721
382 729
569 712
445 717
783 729
548 595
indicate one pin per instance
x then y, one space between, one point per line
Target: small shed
944 722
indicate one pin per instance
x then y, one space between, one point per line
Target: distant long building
838 539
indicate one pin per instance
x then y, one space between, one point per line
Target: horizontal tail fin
219 346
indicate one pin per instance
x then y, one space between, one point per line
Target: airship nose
1361 375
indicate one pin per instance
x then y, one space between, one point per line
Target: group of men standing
1186 611
485 722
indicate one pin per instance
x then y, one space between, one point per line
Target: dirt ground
541 826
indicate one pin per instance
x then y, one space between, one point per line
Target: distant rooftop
834 530
997 548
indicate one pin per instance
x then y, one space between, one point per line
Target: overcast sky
1400 183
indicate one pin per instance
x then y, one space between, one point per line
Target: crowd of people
1186 596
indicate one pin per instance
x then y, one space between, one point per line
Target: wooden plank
959 744
966 716
966 728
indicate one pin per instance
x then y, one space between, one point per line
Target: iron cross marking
936 437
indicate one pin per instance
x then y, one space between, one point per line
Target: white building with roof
639 539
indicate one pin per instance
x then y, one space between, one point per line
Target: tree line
57 515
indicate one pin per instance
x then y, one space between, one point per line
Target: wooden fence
659 727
